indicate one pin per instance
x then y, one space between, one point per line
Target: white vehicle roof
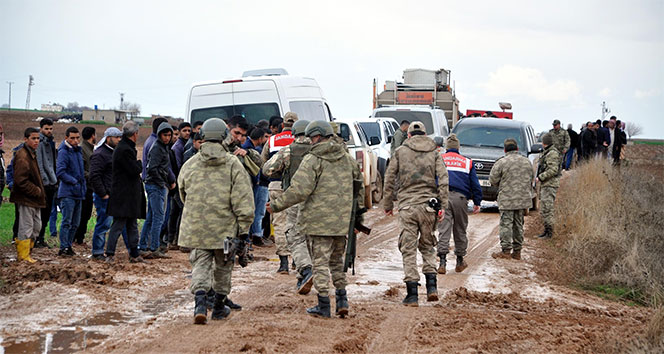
420 108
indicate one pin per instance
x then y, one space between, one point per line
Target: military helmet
318 127
299 127
214 129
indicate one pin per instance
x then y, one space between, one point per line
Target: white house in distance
52 107
109 116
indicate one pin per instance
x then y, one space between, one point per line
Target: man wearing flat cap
513 174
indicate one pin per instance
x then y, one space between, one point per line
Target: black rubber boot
548 232
342 303
411 297
210 299
432 289
220 310
200 308
232 305
307 281
322 309
283 265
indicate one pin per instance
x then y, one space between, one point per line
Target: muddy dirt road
493 306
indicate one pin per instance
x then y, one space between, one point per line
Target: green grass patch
648 142
94 122
628 296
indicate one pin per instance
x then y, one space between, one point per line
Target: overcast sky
549 59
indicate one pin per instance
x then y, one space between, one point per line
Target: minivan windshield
410 116
252 112
487 136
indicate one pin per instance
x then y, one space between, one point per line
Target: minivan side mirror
535 149
374 140
389 139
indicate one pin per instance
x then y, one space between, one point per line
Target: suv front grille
483 167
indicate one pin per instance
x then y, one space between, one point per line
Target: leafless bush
609 225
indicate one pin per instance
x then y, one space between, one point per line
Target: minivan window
309 110
488 136
370 129
411 116
252 112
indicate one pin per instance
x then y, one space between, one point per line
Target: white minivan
258 95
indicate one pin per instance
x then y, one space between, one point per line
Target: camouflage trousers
279 221
417 226
511 229
456 219
327 253
209 270
297 241
547 201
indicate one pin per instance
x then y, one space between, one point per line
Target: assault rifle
355 224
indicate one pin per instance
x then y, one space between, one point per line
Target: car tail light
230 81
359 156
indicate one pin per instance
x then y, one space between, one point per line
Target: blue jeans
568 158
260 199
53 220
102 226
71 216
154 218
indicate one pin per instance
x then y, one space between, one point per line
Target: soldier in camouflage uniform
399 136
326 185
218 208
283 165
549 177
421 176
513 174
560 138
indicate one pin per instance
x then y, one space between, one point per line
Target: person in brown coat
28 194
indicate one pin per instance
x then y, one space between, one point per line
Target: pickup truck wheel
377 189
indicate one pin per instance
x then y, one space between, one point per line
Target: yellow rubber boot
32 243
23 250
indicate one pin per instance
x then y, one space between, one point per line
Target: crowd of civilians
599 139
83 172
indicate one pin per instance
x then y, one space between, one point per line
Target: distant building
110 116
52 107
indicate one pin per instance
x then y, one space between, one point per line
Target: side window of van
309 110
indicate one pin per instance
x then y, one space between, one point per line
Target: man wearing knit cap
513 174
464 185
548 174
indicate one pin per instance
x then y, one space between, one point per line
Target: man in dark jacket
158 180
573 146
87 147
72 189
619 143
149 141
588 141
463 185
3 178
46 158
603 138
101 178
176 204
197 140
28 194
126 203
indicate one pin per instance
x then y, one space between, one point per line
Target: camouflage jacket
549 168
279 162
252 155
560 139
420 171
397 140
218 199
513 174
324 182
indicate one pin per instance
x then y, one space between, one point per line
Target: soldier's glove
238 247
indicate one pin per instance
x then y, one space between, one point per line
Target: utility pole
605 110
31 83
122 100
10 83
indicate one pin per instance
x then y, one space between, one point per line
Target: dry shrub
609 226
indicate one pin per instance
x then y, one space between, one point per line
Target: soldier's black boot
411 297
283 265
432 289
220 310
210 299
443 264
322 309
200 308
461 265
232 305
305 283
342 302
548 232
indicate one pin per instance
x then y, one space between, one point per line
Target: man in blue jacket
463 185
147 145
72 188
